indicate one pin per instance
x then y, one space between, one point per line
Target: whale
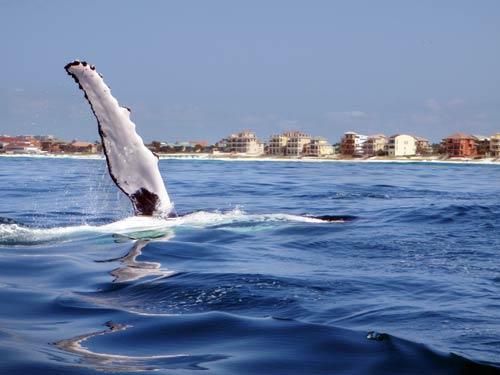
131 165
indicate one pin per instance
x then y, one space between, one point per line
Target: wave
486 214
143 227
117 362
227 343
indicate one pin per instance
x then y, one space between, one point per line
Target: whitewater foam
145 227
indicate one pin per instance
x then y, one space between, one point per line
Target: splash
145 227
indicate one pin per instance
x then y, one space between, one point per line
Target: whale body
131 165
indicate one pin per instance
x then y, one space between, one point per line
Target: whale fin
131 165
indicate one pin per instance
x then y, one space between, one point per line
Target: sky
200 70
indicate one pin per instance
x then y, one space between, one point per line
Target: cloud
433 105
455 103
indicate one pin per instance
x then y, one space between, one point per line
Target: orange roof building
460 145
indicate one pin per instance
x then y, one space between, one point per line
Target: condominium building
296 143
352 144
318 146
295 146
495 145
401 145
482 144
277 144
460 145
423 146
375 145
244 143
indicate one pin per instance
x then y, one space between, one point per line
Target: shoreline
375 159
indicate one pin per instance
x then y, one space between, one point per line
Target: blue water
244 283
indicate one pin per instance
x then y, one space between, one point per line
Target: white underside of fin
132 166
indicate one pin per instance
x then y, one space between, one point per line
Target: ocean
245 281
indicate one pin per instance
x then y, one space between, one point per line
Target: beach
230 157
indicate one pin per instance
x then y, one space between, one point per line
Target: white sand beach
219 157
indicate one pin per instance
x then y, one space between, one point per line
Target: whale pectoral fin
131 165
144 201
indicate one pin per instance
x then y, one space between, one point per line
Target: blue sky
203 69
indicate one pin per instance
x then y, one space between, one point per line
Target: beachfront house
423 146
53 146
21 144
22 147
82 147
277 144
375 145
495 145
401 145
482 144
245 142
460 145
318 147
352 144
296 143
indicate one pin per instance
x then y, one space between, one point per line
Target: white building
318 147
402 145
244 143
495 145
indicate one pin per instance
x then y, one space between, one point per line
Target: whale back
131 165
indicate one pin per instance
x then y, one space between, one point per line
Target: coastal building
245 142
460 145
53 147
296 143
6 139
21 147
482 144
318 147
495 145
423 146
82 147
375 145
21 144
277 144
401 145
352 144
219 147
